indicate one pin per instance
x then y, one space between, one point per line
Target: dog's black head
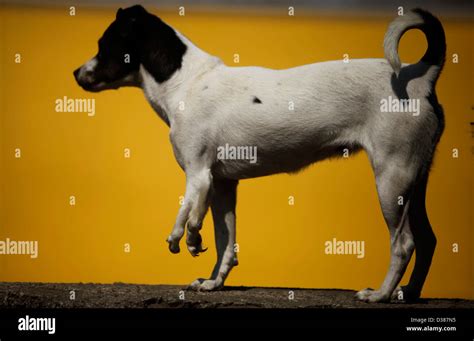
135 38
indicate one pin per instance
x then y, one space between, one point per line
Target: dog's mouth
93 87
87 86
91 84
97 86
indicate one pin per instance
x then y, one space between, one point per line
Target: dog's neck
168 97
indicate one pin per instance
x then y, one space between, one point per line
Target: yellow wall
135 200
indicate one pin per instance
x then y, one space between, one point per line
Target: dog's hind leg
223 203
425 243
394 185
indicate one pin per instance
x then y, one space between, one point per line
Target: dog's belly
250 163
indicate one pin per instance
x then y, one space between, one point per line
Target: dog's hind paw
371 296
404 294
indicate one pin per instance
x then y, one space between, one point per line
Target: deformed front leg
223 204
192 212
200 186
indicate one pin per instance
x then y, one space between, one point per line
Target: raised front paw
173 244
194 243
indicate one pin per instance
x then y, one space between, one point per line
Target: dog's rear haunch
291 118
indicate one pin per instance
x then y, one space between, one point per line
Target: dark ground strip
119 295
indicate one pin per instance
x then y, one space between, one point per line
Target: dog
336 106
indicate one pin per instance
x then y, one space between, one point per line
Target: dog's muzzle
85 78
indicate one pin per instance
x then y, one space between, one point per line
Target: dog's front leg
223 203
192 212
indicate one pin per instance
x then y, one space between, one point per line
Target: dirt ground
119 295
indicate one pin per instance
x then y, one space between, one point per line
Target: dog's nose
76 73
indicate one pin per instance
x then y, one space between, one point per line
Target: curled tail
430 25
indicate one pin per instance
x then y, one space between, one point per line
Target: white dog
292 118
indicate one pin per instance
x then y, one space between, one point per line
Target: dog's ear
156 44
128 28
161 50
130 19
132 12
119 13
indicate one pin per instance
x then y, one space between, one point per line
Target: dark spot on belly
278 83
205 88
257 100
